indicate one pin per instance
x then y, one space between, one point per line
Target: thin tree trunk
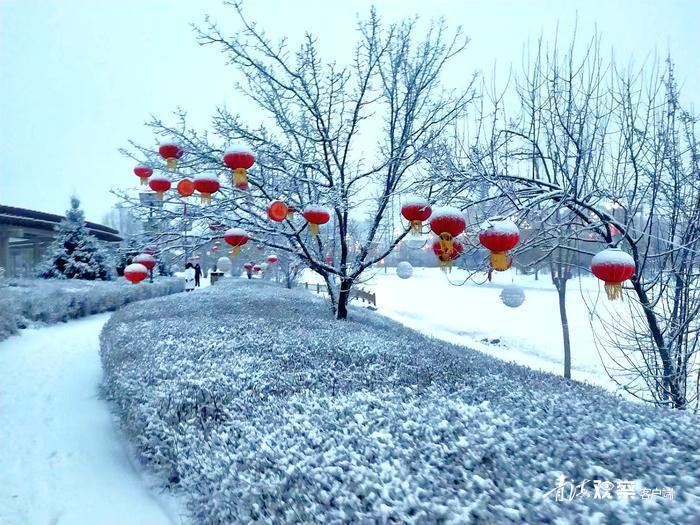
561 291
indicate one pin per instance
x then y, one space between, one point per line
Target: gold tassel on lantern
446 266
171 163
235 250
613 291
239 177
205 198
144 182
499 261
416 227
313 228
159 195
446 243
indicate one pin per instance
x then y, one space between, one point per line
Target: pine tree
74 253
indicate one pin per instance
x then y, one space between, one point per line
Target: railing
355 293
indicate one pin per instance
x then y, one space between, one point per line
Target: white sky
79 78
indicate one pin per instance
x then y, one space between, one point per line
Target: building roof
21 217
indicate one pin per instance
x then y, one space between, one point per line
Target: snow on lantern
272 259
143 172
171 152
236 237
512 295
239 158
499 237
447 223
315 216
404 270
135 273
185 187
613 266
257 268
445 257
277 210
146 259
206 184
159 183
416 210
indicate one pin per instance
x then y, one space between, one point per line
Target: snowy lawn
62 459
24 302
447 307
263 409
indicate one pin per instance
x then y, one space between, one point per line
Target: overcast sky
79 78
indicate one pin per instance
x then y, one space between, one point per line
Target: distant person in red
197 274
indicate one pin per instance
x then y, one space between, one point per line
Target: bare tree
615 150
347 137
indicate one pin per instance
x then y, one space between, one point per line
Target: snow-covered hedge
28 301
264 410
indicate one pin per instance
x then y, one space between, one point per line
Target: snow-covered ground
530 335
62 459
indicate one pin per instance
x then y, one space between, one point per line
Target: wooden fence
355 293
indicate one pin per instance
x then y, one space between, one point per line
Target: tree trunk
343 299
561 291
670 379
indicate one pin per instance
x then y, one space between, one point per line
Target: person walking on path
189 277
197 274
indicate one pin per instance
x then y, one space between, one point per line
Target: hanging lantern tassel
313 227
205 198
171 163
159 195
144 182
446 265
416 227
613 291
446 243
500 261
240 179
235 250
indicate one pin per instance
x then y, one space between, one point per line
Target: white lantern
223 264
512 295
404 269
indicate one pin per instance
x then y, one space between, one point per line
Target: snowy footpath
62 458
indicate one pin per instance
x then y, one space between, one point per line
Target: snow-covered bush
263 410
9 318
28 301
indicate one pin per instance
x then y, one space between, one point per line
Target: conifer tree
75 253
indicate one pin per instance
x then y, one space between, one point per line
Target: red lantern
447 223
239 158
146 259
248 266
614 267
257 268
416 210
143 172
315 216
272 259
171 152
236 237
185 187
206 185
329 260
446 256
278 210
135 273
499 237
160 184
